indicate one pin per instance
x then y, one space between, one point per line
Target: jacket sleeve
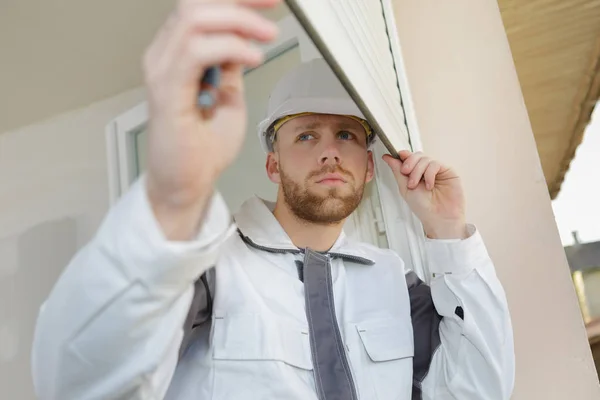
112 326
463 334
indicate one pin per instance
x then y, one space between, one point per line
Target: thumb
396 165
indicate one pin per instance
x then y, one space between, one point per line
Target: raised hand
188 148
433 192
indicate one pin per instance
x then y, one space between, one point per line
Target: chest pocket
257 357
387 360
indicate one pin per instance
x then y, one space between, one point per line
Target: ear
272 167
370 167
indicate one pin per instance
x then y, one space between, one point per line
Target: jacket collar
260 229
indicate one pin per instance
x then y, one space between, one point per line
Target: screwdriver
211 78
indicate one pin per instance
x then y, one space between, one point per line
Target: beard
325 209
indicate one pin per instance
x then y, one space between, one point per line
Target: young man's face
322 163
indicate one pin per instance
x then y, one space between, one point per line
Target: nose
330 155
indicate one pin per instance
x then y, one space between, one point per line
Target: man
172 300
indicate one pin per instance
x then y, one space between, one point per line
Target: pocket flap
386 340
251 337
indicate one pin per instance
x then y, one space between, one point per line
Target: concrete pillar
470 111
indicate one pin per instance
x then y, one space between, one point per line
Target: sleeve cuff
456 256
132 234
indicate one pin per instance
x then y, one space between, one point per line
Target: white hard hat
311 87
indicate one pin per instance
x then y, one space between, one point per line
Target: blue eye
304 137
345 135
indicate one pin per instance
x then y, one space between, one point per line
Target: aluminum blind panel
352 37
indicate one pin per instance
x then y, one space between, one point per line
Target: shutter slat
378 64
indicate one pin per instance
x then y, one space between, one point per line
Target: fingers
203 33
207 50
207 19
198 54
404 154
392 162
409 162
213 18
414 168
431 173
417 171
396 165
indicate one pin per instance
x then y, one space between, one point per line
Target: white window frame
400 224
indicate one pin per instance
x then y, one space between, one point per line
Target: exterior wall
53 195
471 114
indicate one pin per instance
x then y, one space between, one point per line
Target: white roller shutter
352 35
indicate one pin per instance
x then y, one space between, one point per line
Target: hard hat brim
320 105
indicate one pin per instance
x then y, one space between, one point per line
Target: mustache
331 169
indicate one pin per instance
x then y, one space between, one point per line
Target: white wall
53 195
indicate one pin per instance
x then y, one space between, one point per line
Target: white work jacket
224 316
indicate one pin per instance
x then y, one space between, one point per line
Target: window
382 219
